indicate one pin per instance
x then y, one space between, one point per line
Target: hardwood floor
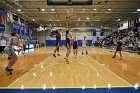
24 64
128 68
98 69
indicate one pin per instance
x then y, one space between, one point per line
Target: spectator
138 42
2 45
37 44
128 36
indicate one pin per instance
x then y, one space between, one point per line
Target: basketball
67 17
20 44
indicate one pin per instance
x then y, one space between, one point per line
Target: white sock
9 67
66 58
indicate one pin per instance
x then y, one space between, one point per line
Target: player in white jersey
10 50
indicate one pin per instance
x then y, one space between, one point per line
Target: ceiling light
87 18
95 9
84 9
52 9
33 19
119 19
109 9
42 9
138 10
18 10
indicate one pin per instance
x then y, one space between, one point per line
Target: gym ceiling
100 13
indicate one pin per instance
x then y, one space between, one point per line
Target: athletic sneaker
66 60
113 57
86 52
58 55
8 70
54 55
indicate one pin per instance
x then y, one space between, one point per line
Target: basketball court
37 21
97 69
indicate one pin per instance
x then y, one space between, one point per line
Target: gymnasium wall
41 36
19 27
3 21
88 33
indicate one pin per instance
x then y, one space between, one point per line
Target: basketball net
69 12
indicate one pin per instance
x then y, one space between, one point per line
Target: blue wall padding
63 42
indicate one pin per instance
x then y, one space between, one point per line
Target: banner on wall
22 30
2 27
94 32
101 33
31 32
26 22
18 29
14 28
26 31
2 11
15 17
21 20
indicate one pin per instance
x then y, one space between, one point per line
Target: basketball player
119 48
10 50
75 47
68 45
84 44
58 41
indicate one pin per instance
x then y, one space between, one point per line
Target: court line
97 87
111 71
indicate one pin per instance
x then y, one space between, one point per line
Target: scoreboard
69 2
